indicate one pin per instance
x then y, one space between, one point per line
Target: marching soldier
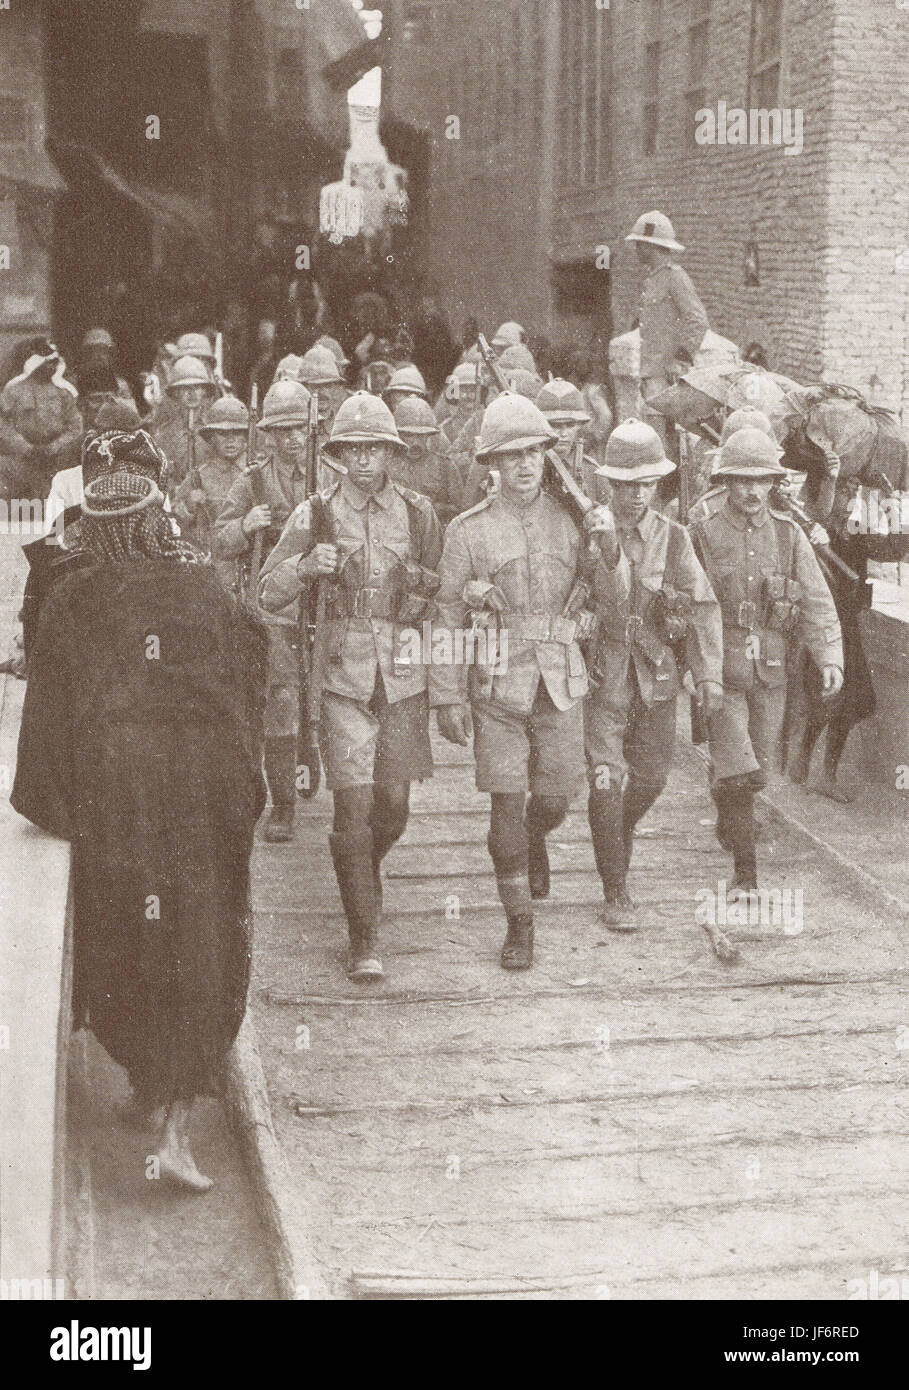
406 381
673 320
378 545
319 371
517 565
563 405
192 389
771 591
458 401
747 418
261 499
671 619
426 467
197 507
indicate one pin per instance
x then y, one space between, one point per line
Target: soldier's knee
754 781
352 808
546 812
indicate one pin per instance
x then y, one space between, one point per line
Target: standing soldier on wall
378 545
630 716
771 590
261 499
672 318
514 562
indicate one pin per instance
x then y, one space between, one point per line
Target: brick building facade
576 118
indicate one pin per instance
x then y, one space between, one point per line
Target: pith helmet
363 417
334 347
747 418
189 371
709 383
465 374
319 367
749 453
561 400
98 337
194 345
512 422
523 383
508 335
655 228
408 380
226 416
415 416
518 356
634 451
286 403
288 369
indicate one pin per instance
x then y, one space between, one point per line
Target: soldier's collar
740 522
645 526
359 499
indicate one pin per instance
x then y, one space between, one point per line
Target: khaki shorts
541 752
745 733
362 743
629 736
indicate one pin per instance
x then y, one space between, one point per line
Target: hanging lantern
372 196
340 211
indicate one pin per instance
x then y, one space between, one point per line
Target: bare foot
174 1154
827 787
141 1114
723 948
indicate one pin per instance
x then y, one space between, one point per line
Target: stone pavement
631 1118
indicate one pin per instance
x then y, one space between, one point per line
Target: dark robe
141 743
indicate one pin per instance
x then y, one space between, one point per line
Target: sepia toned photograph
454 663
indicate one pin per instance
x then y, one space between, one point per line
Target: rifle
311 634
257 484
684 475
194 480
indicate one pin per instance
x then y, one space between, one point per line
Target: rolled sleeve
279 581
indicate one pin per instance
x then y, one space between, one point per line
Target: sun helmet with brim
362 419
749 453
562 403
512 422
655 229
635 453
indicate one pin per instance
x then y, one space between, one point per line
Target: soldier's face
416 444
521 471
366 462
228 445
748 496
289 443
569 432
190 397
631 500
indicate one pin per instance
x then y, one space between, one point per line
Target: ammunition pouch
782 605
670 614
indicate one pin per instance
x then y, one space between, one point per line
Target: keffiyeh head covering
128 451
123 518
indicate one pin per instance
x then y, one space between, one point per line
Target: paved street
630 1119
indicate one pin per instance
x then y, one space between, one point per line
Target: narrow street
631 1119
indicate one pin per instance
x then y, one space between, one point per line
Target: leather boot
351 854
542 814
605 814
737 809
517 951
280 774
637 800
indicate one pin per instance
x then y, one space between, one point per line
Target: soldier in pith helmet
193 390
199 502
772 594
261 498
319 372
406 381
749 417
670 622
563 405
426 467
376 544
516 569
458 401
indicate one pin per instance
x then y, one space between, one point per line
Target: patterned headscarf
123 518
130 451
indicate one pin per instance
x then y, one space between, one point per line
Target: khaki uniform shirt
373 536
533 555
672 317
738 554
646 547
283 490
